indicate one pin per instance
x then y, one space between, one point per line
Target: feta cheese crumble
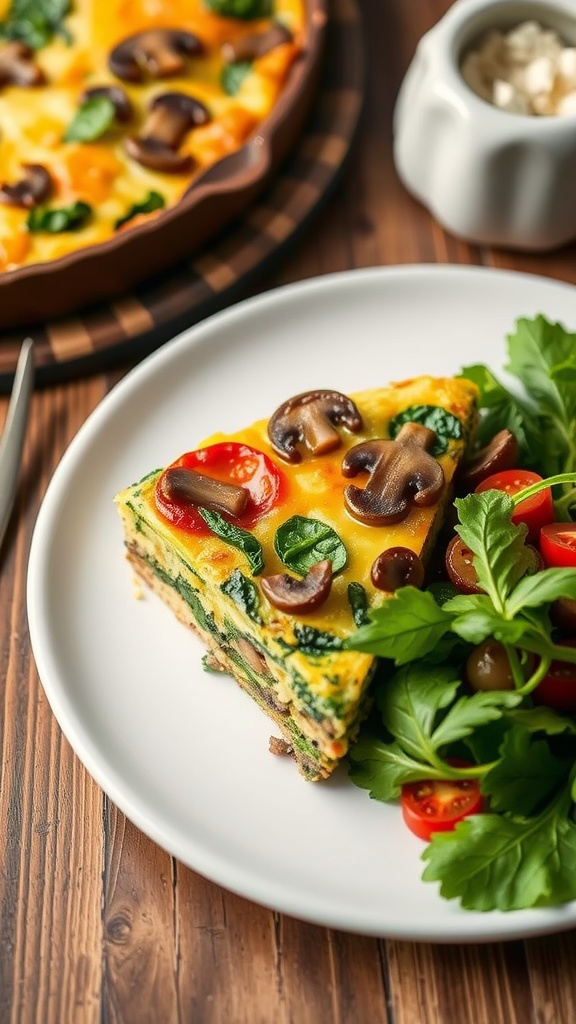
527 70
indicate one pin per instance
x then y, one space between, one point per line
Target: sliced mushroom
154 53
397 567
310 419
500 453
255 44
17 65
170 117
402 473
191 488
294 595
32 190
252 656
122 106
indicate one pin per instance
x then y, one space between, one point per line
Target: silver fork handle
12 440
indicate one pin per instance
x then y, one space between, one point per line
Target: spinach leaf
35 22
93 117
243 592
242 9
301 543
314 641
233 75
446 426
358 602
153 201
54 220
246 542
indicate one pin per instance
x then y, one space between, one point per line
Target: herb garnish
232 76
92 119
153 201
35 22
54 220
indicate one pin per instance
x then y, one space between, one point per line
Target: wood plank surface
98 925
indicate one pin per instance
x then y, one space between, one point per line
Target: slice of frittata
273 543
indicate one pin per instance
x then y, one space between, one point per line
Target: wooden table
97 923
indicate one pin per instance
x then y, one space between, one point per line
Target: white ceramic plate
184 753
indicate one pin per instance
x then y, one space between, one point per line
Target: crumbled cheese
528 70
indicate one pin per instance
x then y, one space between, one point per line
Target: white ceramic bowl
487 175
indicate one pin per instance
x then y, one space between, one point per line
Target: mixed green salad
474 725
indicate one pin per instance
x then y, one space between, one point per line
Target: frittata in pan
273 543
110 110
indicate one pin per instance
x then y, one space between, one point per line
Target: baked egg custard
273 544
109 111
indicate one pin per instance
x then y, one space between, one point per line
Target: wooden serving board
135 324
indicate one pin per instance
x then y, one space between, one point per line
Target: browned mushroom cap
402 473
188 487
294 595
122 106
310 419
170 117
397 567
17 65
500 453
154 53
255 44
34 188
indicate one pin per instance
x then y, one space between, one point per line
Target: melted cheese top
100 173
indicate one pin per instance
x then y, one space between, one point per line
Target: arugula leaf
243 592
246 542
526 775
410 702
93 117
545 586
494 862
54 220
409 625
35 22
153 201
501 556
383 768
500 410
301 543
475 619
543 719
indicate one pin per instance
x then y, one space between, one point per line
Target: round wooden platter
134 324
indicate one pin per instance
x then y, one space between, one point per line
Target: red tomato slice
558 689
437 805
536 511
233 463
558 544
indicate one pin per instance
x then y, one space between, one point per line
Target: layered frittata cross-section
273 543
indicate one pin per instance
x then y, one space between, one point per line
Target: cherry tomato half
437 805
558 544
536 511
558 689
233 463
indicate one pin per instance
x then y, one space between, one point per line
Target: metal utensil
12 440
